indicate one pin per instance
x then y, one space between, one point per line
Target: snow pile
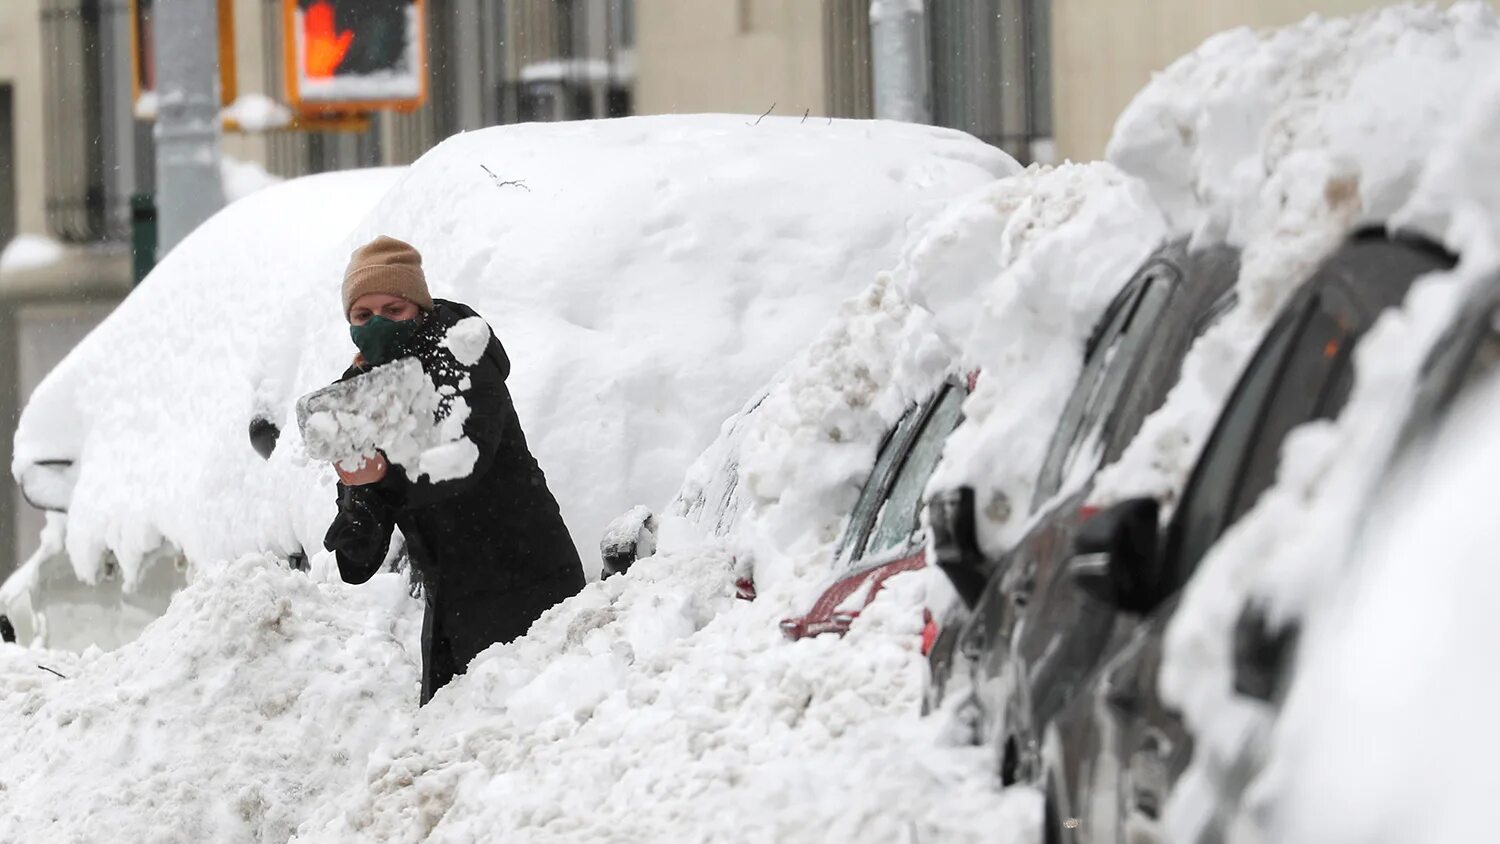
1281 142
1389 734
976 290
643 274
255 698
654 706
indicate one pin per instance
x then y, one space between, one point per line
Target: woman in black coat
490 548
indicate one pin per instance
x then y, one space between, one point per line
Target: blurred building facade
989 63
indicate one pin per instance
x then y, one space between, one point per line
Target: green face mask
380 339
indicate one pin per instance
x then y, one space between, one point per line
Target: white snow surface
1402 652
654 704
256 697
646 275
1281 142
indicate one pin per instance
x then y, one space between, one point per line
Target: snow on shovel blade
390 408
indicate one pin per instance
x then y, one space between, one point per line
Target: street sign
354 56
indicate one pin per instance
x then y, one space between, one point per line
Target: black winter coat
490 549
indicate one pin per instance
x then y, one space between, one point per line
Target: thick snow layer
254 699
1052 250
154 404
1281 142
974 291
1389 733
656 706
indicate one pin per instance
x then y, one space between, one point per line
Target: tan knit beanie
386 265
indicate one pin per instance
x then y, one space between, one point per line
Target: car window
1106 375
1314 385
872 496
1210 496
901 515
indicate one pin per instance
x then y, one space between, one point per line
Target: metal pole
189 186
898 51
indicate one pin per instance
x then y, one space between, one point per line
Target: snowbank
974 291
255 698
644 275
1281 142
1389 733
656 706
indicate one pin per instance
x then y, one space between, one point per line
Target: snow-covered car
1110 747
644 274
1132 363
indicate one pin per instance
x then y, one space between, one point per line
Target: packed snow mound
643 274
1281 142
1404 652
1007 281
1057 246
656 706
254 699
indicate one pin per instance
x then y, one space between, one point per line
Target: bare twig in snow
45 668
512 183
805 114
763 116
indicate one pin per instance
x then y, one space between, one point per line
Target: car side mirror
1116 555
627 539
955 542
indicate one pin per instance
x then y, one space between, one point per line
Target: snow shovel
390 408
